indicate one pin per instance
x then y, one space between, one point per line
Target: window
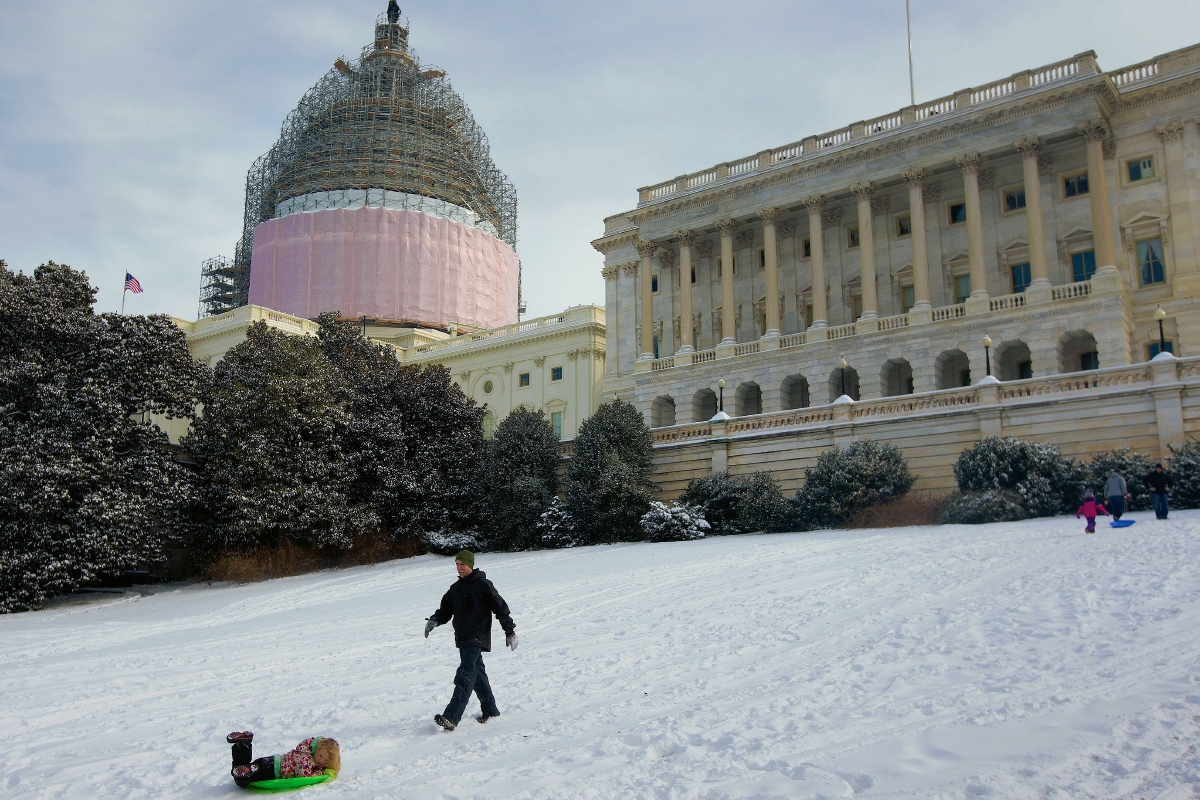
808 316
556 422
1152 349
693 274
903 225
523 379
962 288
964 377
720 269
1020 277
556 373
762 258
1024 370
852 237
856 305
807 248
1089 360
1140 168
654 284
1014 199
1083 265
656 347
908 298
1150 261
1075 185
958 213
489 425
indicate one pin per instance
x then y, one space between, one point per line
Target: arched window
896 377
704 405
749 399
850 375
1077 351
953 369
662 412
795 393
1014 360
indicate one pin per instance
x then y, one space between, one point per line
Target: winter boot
243 749
240 736
445 723
482 718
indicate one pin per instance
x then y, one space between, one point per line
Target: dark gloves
430 624
510 640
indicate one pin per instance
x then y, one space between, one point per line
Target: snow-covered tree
555 527
608 481
846 481
88 485
522 479
976 508
1134 467
673 523
1184 466
737 504
1046 482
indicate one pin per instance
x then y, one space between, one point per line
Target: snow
1012 660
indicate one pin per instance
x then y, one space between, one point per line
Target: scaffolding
380 131
218 287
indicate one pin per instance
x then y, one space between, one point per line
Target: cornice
606 244
560 331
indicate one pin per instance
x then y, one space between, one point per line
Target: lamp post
721 399
1160 315
842 373
987 354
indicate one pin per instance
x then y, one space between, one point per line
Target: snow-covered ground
1005 661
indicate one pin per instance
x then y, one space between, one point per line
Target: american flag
132 285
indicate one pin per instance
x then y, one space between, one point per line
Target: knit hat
1089 494
467 557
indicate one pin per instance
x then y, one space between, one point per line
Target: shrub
976 508
1184 466
449 542
674 523
522 480
608 486
1134 467
1045 482
555 528
737 504
844 482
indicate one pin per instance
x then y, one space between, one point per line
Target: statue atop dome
393 12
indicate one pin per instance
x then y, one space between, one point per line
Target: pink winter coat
299 763
1090 509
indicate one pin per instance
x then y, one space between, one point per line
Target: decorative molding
573 354
915 177
646 248
969 163
1171 132
1109 148
787 229
1045 165
610 273
630 268
745 238
815 204
987 179
726 227
606 244
831 218
1094 130
599 355
508 365
704 249
863 191
770 215
666 257
465 375
881 205
1028 147
539 361
684 238
932 193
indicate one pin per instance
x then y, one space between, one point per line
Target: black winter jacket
1158 482
471 601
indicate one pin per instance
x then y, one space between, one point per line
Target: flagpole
912 91
124 292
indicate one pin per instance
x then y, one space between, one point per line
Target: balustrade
949 312
1006 302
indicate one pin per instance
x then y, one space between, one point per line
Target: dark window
762 258
654 283
1150 261
852 236
1152 349
1083 265
1140 168
1089 360
1020 277
964 377
958 213
1075 185
523 379
656 347
908 298
1024 370
903 225
693 274
962 288
1014 199
556 373
808 248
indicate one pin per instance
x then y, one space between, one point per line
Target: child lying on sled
311 758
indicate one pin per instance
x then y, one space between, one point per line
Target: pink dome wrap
386 264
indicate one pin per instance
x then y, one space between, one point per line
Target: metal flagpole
124 292
912 91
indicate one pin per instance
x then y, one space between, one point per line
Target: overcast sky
126 129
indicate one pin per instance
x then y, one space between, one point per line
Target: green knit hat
467 557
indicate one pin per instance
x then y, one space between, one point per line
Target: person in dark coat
1159 483
471 602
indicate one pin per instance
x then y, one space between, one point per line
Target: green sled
291 784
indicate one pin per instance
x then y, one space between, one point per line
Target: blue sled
1121 523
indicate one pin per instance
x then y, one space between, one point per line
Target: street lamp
987 353
842 370
1160 315
721 400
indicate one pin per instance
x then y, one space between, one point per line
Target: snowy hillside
1002 661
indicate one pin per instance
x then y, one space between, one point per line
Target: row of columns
1094 134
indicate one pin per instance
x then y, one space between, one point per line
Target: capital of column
863 191
630 268
667 258
970 163
684 238
1171 132
816 204
610 273
768 215
726 227
1094 130
646 249
1030 146
915 177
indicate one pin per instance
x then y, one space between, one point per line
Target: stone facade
1050 214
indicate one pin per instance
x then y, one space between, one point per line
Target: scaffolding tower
380 131
218 287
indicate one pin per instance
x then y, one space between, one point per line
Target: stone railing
1007 302
891 323
840 331
1069 290
1138 72
703 356
745 165
793 339
949 312
662 363
1113 377
682 433
783 419
907 405
745 349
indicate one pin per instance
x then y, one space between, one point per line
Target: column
915 178
866 249
771 255
611 314
684 239
820 294
970 164
728 312
1039 269
646 251
1094 134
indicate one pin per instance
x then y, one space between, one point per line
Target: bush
608 485
1184 466
674 523
977 508
845 482
555 528
1045 482
450 542
1134 467
737 504
522 480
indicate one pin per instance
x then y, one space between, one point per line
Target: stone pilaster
863 192
922 310
728 331
646 251
820 291
684 239
970 165
771 256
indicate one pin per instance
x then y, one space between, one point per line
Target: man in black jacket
1159 483
471 602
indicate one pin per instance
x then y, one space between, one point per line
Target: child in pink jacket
314 756
1089 510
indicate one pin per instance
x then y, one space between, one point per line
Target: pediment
960 256
1015 244
1077 233
1144 218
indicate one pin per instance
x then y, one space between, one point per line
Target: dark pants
471 677
1160 504
261 769
1116 504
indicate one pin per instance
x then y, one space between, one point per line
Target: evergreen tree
844 482
522 480
1184 466
673 523
737 504
608 485
1037 473
555 528
1134 467
88 485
